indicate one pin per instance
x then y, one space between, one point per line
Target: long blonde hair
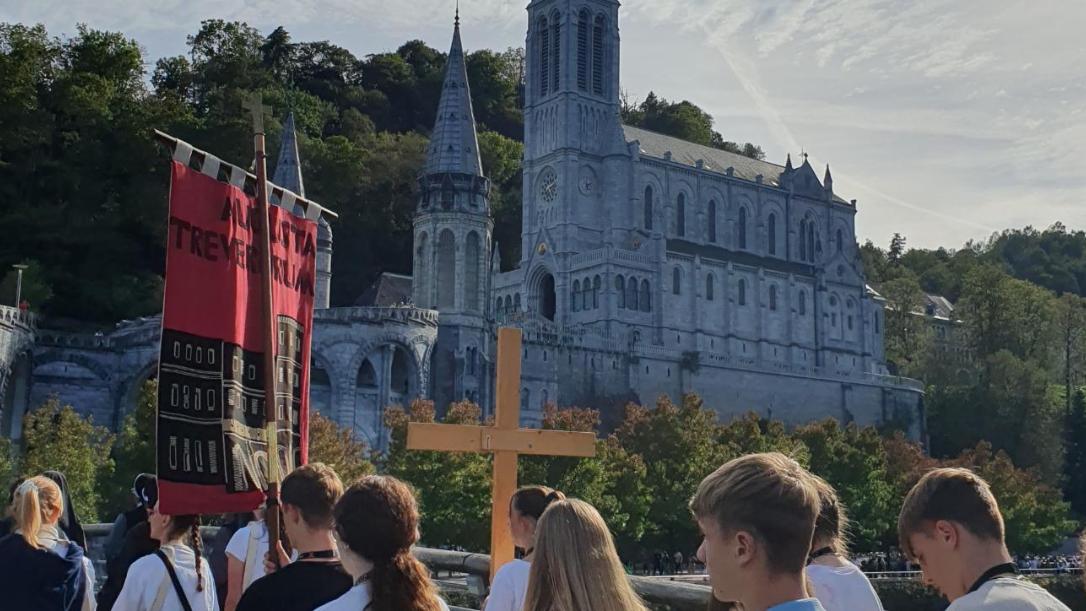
575 566
35 499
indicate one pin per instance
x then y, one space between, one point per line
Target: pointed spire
288 167
788 163
456 22
454 146
827 181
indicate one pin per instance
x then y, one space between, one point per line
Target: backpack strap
176 582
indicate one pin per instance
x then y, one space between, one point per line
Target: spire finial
456 22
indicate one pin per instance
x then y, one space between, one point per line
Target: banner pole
271 431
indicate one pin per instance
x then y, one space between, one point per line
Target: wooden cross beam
505 440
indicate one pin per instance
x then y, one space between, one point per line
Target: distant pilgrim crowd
773 539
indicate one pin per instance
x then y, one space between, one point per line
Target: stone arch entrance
16 396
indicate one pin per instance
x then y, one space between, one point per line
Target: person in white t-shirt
951 526
511 581
245 559
376 523
149 586
836 582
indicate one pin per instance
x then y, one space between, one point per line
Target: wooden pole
271 431
504 481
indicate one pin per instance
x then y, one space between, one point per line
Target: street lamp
19 269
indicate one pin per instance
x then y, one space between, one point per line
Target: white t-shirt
148 580
1008 594
356 599
249 545
843 588
58 544
510 587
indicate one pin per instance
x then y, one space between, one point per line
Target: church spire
454 146
788 163
288 167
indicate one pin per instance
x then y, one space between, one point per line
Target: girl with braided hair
376 523
175 578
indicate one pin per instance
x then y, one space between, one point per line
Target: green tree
852 460
56 437
1035 517
683 120
677 444
453 488
908 333
338 447
1075 460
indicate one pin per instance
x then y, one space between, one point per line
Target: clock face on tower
548 185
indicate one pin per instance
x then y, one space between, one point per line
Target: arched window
544 55
582 50
595 292
742 297
771 227
556 52
712 220
471 275
803 303
709 286
516 303
680 215
631 294
446 265
646 297
422 266
508 303
648 208
810 242
597 56
676 281
576 295
773 297
840 241
620 288
586 294
803 240
498 306
742 227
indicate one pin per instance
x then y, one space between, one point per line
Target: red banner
212 455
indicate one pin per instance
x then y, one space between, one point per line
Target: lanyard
998 570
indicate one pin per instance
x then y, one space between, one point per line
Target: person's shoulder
512 570
150 563
352 600
1018 591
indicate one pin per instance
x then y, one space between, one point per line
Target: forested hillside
83 186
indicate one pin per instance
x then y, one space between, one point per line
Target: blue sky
946 119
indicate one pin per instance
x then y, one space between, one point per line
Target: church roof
454 146
657 145
388 290
288 167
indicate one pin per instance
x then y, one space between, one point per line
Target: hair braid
194 531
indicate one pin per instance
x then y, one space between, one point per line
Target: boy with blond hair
757 517
951 526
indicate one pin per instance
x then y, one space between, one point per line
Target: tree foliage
133 451
56 437
339 448
683 120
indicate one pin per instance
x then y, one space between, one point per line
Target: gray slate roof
388 290
716 160
288 167
454 147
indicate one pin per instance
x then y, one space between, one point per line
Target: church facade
649 266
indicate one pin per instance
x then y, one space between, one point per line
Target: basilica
650 266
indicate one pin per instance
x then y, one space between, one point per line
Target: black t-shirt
299 586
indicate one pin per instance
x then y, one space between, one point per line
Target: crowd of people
773 539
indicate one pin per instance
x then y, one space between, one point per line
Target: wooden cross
505 440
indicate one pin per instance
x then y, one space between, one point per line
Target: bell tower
571 122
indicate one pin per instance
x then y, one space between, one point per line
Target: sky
947 120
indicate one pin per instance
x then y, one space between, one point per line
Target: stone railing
18 318
401 314
674 595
